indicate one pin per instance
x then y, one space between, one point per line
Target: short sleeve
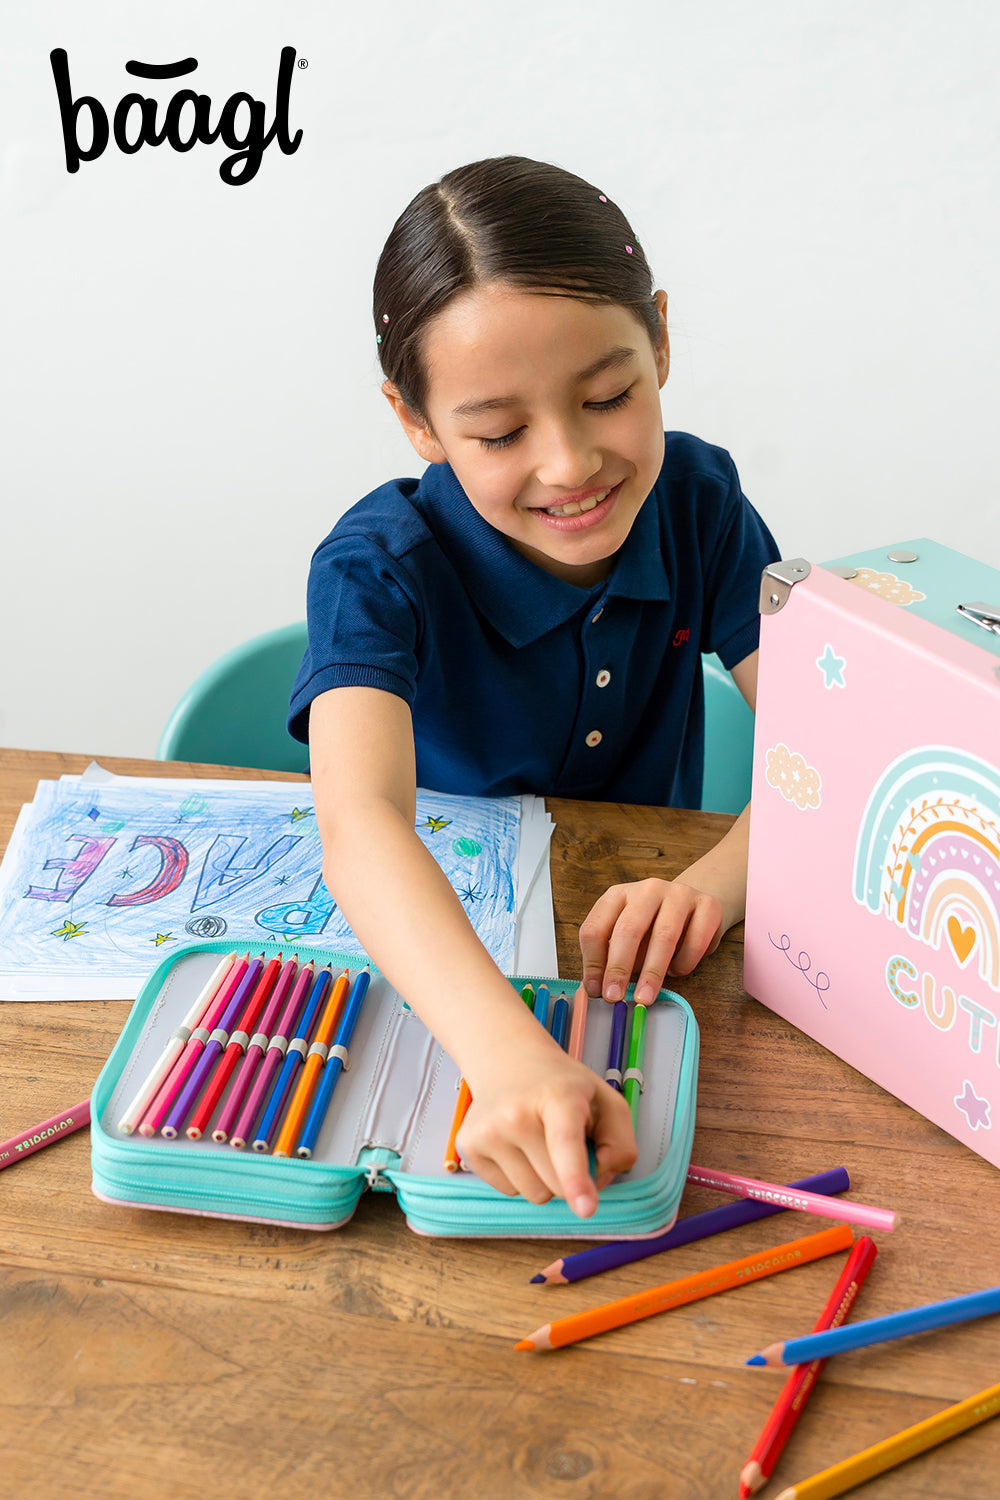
363 627
736 554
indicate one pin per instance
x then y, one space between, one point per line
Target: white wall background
188 389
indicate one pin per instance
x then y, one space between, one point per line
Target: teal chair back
729 725
234 713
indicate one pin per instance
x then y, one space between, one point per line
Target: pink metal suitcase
873 905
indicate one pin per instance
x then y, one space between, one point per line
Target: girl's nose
567 459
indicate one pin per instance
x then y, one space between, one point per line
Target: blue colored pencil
560 1020
695 1227
181 1107
876 1330
333 1066
541 1006
616 1047
293 1060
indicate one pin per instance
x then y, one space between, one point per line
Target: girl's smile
547 408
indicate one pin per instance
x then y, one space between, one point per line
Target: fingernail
614 991
645 993
593 987
583 1206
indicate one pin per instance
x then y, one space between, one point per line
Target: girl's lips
584 519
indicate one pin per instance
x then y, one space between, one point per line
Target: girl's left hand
651 928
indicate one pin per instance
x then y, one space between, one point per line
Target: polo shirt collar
519 599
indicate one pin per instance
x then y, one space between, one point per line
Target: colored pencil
276 1051
184 1101
877 1330
157 1111
451 1158
615 1253
150 1086
541 1004
45 1134
585 1325
233 1050
560 1019
632 1084
810 1203
616 1046
256 1047
311 1069
895 1450
294 1058
528 996
578 1027
798 1387
336 1062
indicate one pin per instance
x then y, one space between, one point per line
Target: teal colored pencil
632 1087
542 1004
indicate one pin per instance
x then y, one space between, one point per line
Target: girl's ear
663 352
416 429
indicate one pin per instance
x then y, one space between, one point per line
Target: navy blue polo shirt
518 681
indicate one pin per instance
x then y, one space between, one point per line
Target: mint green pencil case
387 1125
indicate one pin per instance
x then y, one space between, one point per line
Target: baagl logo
187 119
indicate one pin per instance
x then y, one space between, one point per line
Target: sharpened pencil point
756 1359
538 1278
524 1344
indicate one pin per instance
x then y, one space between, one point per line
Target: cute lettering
938 1003
185 121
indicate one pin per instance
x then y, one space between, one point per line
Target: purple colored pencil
272 1058
616 1047
256 1048
181 1107
174 1081
696 1227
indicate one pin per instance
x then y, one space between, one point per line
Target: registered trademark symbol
303 62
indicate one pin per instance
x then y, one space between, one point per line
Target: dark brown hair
506 219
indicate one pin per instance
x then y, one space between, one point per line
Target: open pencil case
387 1124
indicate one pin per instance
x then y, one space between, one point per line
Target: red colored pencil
797 1388
235 1047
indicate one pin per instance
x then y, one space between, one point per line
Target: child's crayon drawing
106 877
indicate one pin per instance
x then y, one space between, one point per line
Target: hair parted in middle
507 219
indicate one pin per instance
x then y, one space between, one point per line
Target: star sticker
69 930
164 937
976 1110
435 824
832 667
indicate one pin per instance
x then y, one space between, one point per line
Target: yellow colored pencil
315 1059
672 1294
897 1449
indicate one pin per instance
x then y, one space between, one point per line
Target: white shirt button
603 677
594 738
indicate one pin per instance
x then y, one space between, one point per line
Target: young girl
528 616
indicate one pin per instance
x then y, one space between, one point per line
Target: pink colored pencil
790 1197
176 1078
578 1025
255 1051
44 1134
273 1057
174 1047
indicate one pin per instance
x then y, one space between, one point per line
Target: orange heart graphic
962 939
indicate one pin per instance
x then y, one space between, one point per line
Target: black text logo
241 123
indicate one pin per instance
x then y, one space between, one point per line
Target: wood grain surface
157 1355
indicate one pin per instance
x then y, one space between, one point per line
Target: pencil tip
756 1359
525 1344
538 1278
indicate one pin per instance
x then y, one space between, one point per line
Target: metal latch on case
777 582
985 615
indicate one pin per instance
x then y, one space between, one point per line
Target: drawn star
832 667
435 824
164 937
300 812
471 893
127 874
976 1110
69 930
282 879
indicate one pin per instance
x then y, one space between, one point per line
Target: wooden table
160 1355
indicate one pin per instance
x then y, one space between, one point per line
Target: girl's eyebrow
615 359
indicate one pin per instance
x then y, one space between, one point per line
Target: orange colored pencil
451 1160
315 1058
798 1387
578 1025
688 1289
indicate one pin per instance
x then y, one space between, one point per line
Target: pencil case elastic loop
279 1044
613 1075
222 1037
200 1034
338 1051
318 1049
241 1037
259 1039
298 1044
635 1073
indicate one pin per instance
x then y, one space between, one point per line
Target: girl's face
548 410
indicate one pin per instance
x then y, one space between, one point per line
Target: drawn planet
466 848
